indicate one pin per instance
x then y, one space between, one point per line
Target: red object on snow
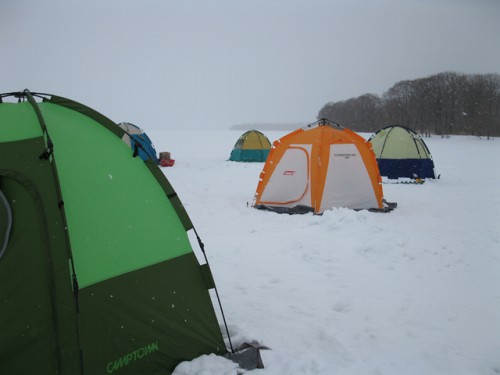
167 162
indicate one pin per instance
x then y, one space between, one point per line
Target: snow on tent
252 146
138 141
97 271
402 153
319 167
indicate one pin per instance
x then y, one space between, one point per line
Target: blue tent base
249 155
406 168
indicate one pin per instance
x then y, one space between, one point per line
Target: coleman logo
127 359
288 173
346 156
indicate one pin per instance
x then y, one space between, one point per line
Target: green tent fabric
98 275
251 146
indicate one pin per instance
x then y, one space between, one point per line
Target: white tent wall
347 181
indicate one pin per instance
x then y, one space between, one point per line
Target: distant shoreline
268 126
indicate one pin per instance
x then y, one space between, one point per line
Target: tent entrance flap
290 181
27 299
347 182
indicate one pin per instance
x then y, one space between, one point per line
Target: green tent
252 146
97 273
402 153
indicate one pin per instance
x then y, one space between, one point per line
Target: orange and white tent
319 167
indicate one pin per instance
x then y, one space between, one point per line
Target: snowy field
411 292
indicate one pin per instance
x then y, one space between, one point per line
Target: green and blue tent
402 153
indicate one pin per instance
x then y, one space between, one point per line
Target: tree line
443 104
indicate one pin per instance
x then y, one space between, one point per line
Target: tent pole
202 246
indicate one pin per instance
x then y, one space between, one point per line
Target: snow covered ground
414 291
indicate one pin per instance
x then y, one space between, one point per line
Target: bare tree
443 104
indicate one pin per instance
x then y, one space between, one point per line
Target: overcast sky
216 63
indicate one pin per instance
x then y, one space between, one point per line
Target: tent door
27 340
289 184
5 222
347 182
